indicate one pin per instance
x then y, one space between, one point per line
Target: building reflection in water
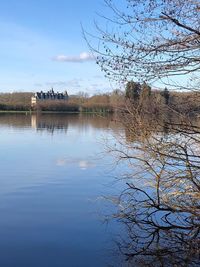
61 122
52 122
49 123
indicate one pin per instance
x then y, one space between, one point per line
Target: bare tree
148 40
160 209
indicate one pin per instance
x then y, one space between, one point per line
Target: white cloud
83 57
57 84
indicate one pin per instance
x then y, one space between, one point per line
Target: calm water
52 179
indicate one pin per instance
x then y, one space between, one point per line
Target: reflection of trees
156 236
59 121
15 119
81 122
161 207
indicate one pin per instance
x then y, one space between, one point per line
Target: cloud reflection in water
81 163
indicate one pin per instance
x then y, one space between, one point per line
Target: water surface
52 179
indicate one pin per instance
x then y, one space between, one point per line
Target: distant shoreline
49 112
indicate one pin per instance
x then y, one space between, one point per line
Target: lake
62 202
53 177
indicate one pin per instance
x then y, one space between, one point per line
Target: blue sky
41 46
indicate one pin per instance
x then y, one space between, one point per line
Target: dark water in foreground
52 178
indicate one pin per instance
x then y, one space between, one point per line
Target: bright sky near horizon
42 46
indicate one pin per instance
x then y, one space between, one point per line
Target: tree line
140 95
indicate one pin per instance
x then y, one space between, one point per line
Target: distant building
50 95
